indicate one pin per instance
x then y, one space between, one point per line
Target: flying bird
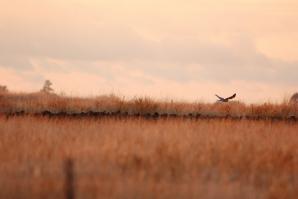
221 99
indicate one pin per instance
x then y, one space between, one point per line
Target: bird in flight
221 99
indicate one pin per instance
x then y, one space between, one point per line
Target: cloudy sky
180 49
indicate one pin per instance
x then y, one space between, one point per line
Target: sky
164 49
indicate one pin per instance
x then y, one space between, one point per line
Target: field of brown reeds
38 103
138 158
133 157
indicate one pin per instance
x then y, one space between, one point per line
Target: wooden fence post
69 179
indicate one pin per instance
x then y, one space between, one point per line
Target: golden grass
137 158
39 102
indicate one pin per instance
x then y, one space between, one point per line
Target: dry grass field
39 102
148 99
138 158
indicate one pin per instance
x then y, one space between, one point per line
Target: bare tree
294 98
47 87
3 89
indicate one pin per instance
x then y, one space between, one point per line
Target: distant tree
3 89
47 87
294 98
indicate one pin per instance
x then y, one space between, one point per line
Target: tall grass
137 158
39 102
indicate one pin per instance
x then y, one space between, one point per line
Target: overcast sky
180 49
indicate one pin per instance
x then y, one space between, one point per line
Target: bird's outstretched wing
221 98
231 97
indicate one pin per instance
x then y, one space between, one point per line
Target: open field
148 99
137 158
52 104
